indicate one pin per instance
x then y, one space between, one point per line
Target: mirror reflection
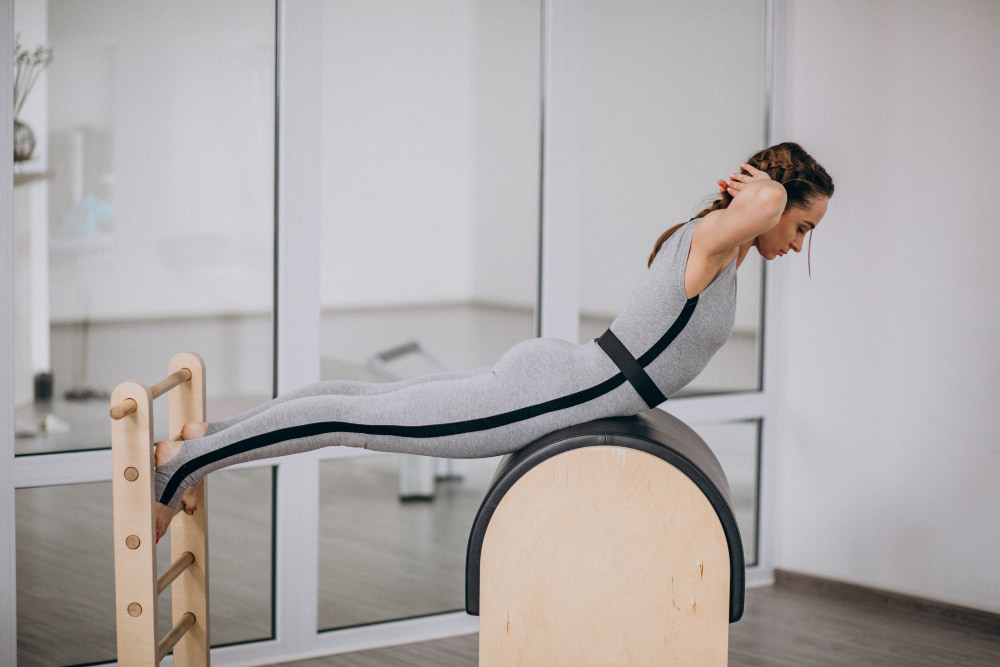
737 446
144 217
430 218
666 112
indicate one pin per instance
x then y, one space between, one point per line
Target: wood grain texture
604 555
135 568
136 585
189 592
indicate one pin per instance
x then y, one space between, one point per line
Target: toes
189 501
163 516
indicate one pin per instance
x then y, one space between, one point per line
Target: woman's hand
757 205
737 182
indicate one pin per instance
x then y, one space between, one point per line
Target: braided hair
804 178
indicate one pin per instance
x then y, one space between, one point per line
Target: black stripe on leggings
424 431
403 431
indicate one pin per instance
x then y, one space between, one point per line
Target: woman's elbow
771 198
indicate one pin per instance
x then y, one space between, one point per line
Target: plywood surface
604 555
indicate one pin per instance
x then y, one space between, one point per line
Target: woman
679 316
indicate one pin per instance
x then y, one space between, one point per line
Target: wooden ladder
137 587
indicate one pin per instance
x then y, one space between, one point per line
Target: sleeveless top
671 336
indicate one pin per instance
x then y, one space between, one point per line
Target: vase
24 141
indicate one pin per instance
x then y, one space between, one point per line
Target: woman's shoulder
706 260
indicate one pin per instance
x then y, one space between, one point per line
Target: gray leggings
537 387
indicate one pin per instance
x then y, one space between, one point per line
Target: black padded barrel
654 432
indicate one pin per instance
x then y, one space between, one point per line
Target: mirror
667 109
147 226
430 217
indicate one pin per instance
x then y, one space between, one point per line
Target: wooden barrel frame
606 542
137 587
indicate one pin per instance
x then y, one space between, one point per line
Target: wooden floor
790 624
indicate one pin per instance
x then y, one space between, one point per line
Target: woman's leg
539 386
335 388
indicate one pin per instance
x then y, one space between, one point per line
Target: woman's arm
757 205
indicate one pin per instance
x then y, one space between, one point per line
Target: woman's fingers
737 181
755 172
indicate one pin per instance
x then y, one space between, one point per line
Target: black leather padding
654 432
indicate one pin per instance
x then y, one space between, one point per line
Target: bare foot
164 452
193 430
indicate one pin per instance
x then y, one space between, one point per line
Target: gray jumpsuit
536 387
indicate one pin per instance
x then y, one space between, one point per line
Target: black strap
631 369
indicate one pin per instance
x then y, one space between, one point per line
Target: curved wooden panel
604 555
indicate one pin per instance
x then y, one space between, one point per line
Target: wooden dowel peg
174 636
183 562
123 409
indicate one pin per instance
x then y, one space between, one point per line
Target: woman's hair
804 178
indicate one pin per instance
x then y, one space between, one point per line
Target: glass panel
737 446
154 208
666 111
65 568
430 218
381 558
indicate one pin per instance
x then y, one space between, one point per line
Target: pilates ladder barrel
137 588
610 542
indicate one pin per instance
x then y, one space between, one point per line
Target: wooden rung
166 384
183 562
174 636
128 406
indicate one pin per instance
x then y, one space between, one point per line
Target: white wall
889 458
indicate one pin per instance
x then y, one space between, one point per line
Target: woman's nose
797 245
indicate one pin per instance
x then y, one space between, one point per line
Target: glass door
429 263
144 222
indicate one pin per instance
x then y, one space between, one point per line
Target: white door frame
8 574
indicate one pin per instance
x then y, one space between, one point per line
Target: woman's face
788 234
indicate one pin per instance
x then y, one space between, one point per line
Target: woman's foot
164 452
193 430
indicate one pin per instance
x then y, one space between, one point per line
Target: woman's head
804 178
806 183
